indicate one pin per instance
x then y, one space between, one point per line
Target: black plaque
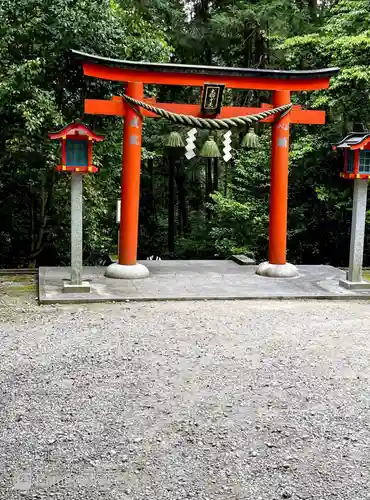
212 98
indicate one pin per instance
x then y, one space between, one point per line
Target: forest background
191 211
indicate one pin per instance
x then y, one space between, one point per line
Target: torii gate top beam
196 76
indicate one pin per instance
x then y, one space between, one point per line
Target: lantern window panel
364 164
76 153
350 161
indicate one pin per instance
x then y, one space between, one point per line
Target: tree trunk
181 193
151 184
247 53
260 49
171 205
152 205
215 174
37 238
312 5
209 184
226 174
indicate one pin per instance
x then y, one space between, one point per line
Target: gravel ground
185 400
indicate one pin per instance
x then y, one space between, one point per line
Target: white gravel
185 400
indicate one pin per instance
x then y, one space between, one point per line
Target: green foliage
238 226
320 201
241 218
42 89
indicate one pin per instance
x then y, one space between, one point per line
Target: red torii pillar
279 190
130 192
136 74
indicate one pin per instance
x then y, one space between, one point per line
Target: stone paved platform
198 280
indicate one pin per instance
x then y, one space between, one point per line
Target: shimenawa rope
208 123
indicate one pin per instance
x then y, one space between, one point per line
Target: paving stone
198 280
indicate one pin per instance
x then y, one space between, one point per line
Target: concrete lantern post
354 274
76 284
76 157
358 230
356 147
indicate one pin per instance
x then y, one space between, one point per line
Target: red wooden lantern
356 148
76 141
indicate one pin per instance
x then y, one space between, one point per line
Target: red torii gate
136 74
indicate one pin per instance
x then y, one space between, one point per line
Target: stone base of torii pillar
277 270
122 271
133 272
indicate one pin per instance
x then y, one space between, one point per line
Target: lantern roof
355 140
76 129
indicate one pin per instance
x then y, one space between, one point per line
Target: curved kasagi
193 75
